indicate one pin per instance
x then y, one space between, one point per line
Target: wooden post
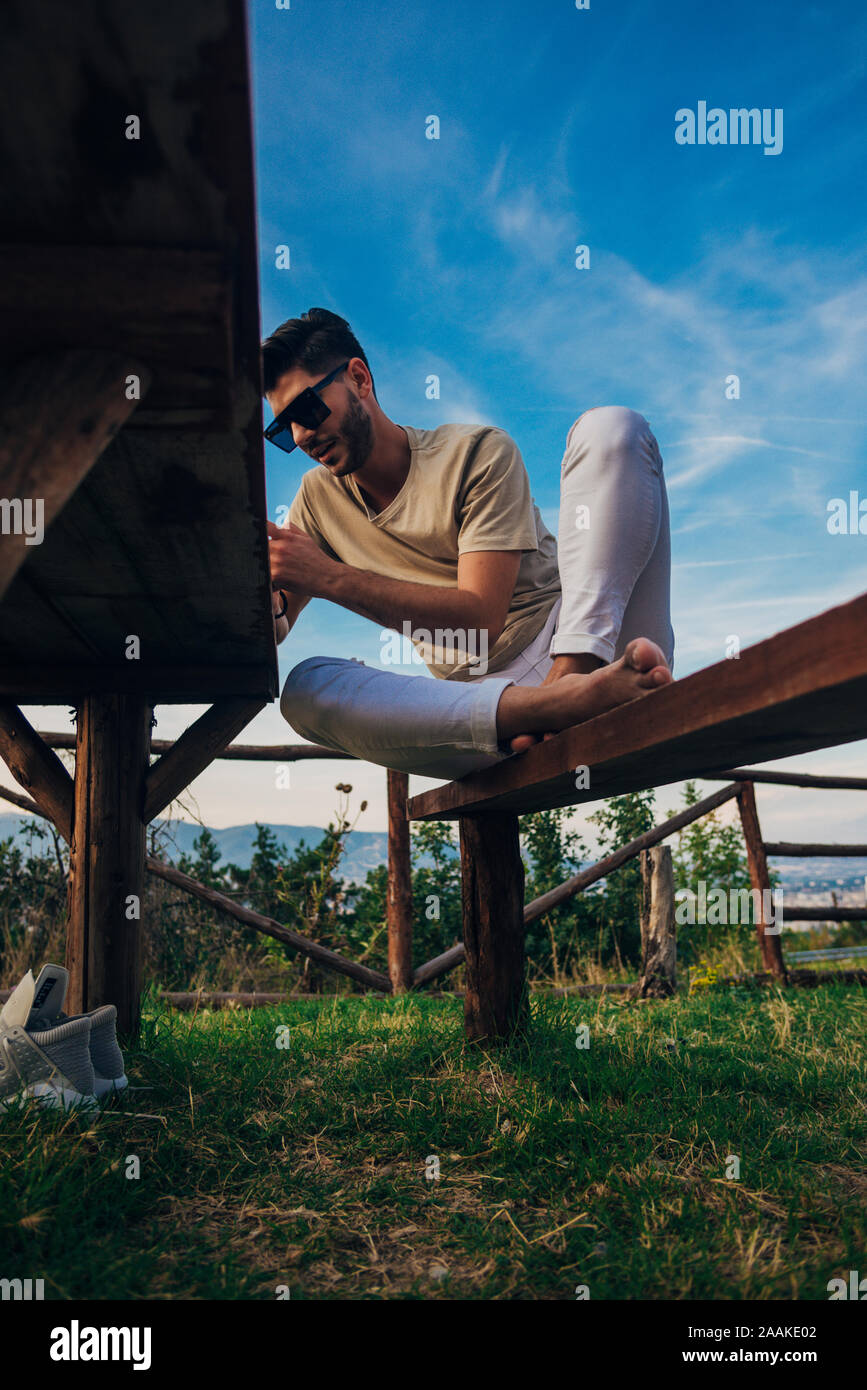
770 946
658 936
107 853
399 905
492 893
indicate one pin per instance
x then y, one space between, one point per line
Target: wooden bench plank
803 689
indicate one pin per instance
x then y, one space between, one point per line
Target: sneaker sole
53 1096
105 1086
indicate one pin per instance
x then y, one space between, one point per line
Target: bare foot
526 712
582 664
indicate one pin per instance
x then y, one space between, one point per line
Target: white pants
614 556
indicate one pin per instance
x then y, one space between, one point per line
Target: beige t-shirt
467 489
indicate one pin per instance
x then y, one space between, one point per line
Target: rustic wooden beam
437 967
106 856
226 999
809 912
802 689
164 685
539 906
331 960
218 999
771 949
492 898
58 411
194 751
25 802
36 767
241 752
442 964
399 898
789 779
658 934
792 851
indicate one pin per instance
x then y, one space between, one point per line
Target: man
435 533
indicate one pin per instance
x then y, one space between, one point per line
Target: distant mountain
364 848
806 880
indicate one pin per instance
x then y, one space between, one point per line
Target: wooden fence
740 786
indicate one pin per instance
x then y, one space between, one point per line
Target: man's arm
486 581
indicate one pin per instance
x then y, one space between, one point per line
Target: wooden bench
801 690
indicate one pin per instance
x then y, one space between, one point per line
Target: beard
356 434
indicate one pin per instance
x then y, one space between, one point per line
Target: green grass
305 1166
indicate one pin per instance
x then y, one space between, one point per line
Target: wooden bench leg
492 891
399 898
106 858
770 946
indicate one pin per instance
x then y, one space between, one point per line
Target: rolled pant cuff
579 643
483 715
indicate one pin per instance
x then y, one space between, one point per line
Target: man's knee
610 427
305 703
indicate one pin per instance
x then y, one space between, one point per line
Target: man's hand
480 600
297 563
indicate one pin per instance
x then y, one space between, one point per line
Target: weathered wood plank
794 851
331 960
492 896
792 779
253 752
194 751
25 802
36 768
809 912
802 689
181 685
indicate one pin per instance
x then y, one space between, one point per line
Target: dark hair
317 341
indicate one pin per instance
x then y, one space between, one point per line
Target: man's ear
366 384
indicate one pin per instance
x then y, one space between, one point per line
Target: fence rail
741 782
828 953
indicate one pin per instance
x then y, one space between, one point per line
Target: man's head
298 355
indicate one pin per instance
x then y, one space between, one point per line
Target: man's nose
302 435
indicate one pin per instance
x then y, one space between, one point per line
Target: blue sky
456 257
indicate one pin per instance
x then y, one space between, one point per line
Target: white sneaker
56 1069
105 1055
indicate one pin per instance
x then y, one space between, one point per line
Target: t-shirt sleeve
302 515
495 507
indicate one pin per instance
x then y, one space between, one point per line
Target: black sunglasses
306 409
